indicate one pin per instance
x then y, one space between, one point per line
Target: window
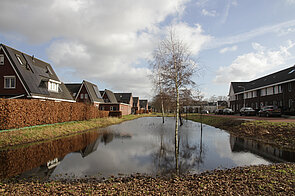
86 96
81 96
1 59
52 86
101 108
289 87
74 94
111 108
280 89
19 59
9 82
290 103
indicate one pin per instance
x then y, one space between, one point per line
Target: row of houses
274 89
25 77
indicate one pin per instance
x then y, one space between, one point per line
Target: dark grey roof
135 101
35 74
123 97
143 103
111 96
101 93
277 77
93 91
73 88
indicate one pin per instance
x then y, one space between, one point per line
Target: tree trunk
162 107
180 118
176 123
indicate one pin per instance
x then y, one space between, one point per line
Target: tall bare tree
175 67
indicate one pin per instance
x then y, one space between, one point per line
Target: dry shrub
115 114
17 113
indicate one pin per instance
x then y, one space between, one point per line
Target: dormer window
19 59
48 70
53 85
1 59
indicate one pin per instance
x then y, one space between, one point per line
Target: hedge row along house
25 77
274 89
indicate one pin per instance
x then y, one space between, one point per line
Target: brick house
26 77
143 104
85 92
274 89
125 99
136 106
111 103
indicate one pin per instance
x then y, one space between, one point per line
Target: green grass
280 134
48 132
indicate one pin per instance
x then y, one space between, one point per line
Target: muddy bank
252 180
279 134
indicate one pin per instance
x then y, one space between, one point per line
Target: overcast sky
110 42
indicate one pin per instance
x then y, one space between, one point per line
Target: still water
144 145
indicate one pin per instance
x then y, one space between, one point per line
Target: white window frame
81 96
53 86
86 96
19 59
111 108
1 59
9 85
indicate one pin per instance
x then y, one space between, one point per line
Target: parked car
228 111
270 111
247 111
205 112
219 111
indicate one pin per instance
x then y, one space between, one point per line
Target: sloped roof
277 77
35 74
135 101
93 91
73 88
143 103
111 96
123 97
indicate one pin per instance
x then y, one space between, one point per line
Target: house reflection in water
266 151
40 160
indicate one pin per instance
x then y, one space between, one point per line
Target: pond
144 145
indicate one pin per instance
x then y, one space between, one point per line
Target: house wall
84 100
7 70
284 100
124 108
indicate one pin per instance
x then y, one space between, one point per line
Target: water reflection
144 145
268 152
37 158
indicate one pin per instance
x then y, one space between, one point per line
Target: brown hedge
17 113
115 114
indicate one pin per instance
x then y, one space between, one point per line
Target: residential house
274 89
136 106
143 104
125 99
85 92
26 77
111 103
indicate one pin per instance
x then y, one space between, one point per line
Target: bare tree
175 68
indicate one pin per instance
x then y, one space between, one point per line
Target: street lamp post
243 94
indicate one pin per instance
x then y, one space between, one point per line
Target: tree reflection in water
167 160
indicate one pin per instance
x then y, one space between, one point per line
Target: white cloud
101 41
228 49
219 42
251 65
192 36
208 13
290 2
